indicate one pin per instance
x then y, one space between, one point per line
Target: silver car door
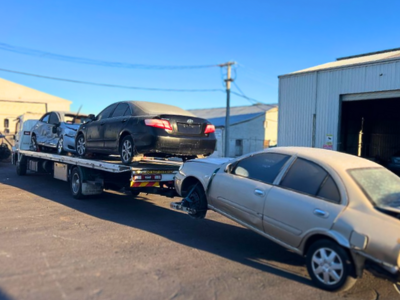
307 199
51 130
240 192
40 129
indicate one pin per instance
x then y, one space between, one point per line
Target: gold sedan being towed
340 211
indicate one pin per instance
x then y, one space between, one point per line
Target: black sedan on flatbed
136 128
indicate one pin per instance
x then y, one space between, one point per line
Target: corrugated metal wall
319 92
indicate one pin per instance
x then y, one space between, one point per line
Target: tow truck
90 176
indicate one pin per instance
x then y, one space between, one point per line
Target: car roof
335 159
160 108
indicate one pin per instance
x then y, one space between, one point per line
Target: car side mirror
54 129
229 168
92 117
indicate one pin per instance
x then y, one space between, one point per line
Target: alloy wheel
327 266
60 145
81 145
126 150
75 183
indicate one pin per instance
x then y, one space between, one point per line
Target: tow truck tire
76 183
21 167
198 200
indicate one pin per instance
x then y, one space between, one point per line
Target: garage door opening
370 128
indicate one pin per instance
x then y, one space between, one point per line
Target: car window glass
45 119
329 190
263 167
120 110
106 112
53 119
304 176
128 112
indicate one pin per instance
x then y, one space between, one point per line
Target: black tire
197 200
76 183
126 150
21 167
80 145
34 144
134 193
60 150
330 266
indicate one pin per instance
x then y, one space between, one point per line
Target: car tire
76 183
126 150
134 193
80 145
60 146
34 144
330 266
197 200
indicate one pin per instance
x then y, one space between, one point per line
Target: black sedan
136 128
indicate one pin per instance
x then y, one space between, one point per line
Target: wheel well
187 183
124 134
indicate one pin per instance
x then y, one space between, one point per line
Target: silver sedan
340 211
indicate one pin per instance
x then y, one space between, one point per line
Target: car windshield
381 186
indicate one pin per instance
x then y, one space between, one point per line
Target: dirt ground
53 246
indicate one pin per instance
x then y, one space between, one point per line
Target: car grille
189 128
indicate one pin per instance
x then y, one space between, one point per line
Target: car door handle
123 121
320 213
258 192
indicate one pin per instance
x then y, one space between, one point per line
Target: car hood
217 161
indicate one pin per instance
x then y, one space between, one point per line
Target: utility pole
228 81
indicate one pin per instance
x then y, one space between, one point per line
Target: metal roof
238 114
393 54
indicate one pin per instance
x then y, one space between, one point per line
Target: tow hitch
183 206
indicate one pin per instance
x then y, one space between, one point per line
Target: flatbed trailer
88 176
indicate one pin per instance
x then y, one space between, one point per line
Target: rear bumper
180 146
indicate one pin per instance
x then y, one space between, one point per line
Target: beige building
16 99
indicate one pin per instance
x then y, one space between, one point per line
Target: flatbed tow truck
90 176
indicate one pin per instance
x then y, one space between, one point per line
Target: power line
89 61
113 85
251 100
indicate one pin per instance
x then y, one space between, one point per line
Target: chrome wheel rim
60 145
327 266
80 146
126 151
75 183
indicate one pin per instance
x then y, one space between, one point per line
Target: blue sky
266 38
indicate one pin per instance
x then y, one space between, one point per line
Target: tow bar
184 205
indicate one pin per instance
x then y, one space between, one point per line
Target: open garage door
370 128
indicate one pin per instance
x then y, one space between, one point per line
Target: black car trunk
186 125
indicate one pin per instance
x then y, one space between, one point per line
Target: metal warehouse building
350 105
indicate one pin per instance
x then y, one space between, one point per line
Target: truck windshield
381 186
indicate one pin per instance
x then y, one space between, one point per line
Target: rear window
381 186
152 108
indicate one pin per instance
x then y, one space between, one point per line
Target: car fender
321 233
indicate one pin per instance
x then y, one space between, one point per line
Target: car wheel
60 145
34 144
197 200
80 145
76 183
126 150
329 266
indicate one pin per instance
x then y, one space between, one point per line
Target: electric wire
89 61
113 85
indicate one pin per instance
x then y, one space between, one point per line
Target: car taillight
209 129
158 123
